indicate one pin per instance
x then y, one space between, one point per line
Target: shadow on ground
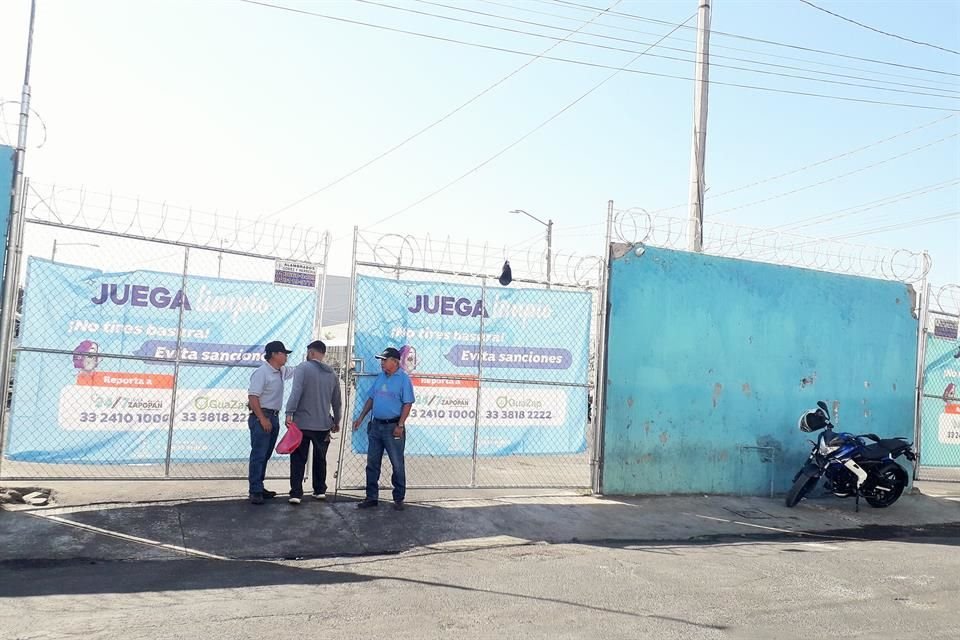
87 577
141 540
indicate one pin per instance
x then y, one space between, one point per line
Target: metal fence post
599 396
921 372
8 312
346 429
476 418
176 367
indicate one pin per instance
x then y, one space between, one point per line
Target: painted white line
123 536
108 506
776 529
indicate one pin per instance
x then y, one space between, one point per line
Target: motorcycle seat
874 452
883 448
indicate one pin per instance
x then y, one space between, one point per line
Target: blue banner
940 412
91 408
534 362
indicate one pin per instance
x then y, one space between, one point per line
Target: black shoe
367 504
256 498
269 495
398 506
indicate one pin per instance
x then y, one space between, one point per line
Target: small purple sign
944 328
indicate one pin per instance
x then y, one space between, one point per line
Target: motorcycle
852 465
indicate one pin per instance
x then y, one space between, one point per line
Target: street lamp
549 225
53 254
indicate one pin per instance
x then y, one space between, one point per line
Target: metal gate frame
14 277
353 372
933 307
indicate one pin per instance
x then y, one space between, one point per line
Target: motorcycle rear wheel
801 487
896 481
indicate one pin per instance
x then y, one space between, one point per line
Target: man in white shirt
265 396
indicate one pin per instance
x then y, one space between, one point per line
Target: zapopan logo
435 399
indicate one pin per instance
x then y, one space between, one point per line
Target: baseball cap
389 352
276 347
317 345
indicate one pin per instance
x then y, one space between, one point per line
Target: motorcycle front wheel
895 481
801 487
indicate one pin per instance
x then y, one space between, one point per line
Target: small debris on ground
32 496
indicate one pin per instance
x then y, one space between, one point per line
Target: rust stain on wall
746 389
717 392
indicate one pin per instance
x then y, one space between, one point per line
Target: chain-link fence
939 410
139 328
503 373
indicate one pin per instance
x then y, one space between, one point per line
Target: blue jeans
261 448
379 439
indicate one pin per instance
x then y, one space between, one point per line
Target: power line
797 170
596 65
880 31
437 122
663 47
837 177
778 74
825 218
761 40
528 134
812 165
899 227
727 47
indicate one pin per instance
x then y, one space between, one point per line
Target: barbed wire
396 253
131 216
945 299
12 139
637 226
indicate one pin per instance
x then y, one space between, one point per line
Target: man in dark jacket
315 406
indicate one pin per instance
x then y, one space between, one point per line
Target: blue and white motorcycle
853 465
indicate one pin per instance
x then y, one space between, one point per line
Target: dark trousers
261 448
379 439
298 462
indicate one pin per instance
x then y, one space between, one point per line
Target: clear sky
224 105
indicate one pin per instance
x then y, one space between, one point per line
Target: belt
269 412
387 421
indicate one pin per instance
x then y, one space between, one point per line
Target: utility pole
11 275
699 152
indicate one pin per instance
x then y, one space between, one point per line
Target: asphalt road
903 588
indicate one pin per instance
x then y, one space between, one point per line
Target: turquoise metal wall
711 361
6 188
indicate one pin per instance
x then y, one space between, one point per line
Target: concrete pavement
782 590
230 527
194 561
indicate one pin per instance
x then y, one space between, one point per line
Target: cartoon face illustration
85 356
408 358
